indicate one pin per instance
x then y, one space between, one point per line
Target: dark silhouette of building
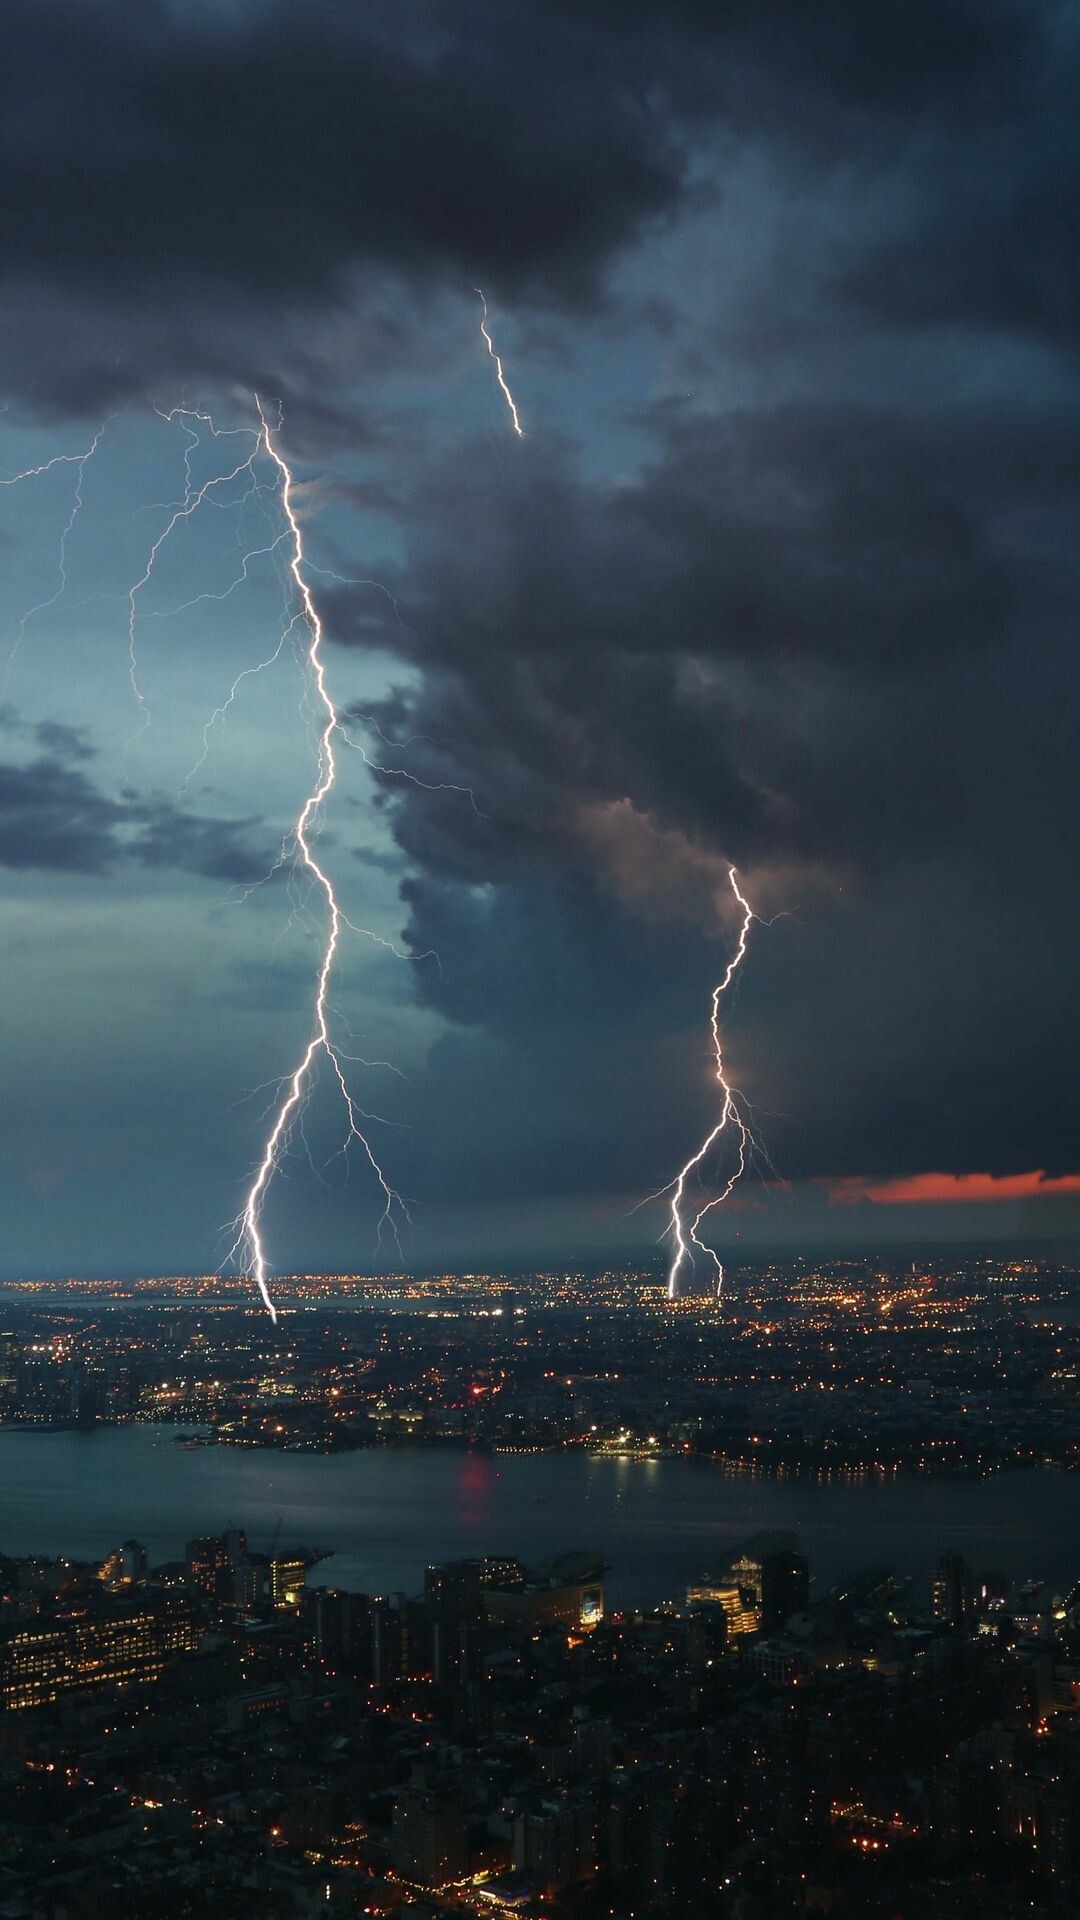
430 1838
785 1588
553 1843
342 1631
454 1604
400 1639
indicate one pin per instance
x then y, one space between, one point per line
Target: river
384 1514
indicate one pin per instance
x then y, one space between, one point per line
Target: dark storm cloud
202 180
826 628
53 818
271 196
274 148
815 637
693 637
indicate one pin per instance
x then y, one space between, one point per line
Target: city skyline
545 1594
539 1148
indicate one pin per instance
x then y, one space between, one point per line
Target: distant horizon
1046 1249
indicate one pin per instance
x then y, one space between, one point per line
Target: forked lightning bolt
500 375
292 1092
192 501
249 1238
79 462
684 1233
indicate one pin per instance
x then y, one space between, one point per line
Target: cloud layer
783 574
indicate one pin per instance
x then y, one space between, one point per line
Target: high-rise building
430 1836
762 1586
9 1361
741 1615
745 1573
400 1639
785 1588
950 1598
247 1583
125 1567
454 1604
211 1558
553 1843
287 1574
342 1631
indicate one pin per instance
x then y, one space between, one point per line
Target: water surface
386 1513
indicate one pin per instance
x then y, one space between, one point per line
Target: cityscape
521 1729
858 1367
539 1140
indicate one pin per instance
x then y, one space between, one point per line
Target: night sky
784 573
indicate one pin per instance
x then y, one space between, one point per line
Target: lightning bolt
79 462
402 773
192 501
684 1233
247 673
295 1089
291 1092
500 375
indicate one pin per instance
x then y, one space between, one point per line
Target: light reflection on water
384 1514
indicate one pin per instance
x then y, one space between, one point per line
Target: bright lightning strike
292 1092
684 1231
295 1089
500 375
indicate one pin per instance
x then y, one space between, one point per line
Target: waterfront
384 1513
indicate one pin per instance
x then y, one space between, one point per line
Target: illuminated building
288 1571
569 1591
211 1560
763 1586
501 1570
950 1599
95 1645
126 1567
741 1615
221 1566
746 1573
9 1358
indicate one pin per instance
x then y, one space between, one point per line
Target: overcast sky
783 573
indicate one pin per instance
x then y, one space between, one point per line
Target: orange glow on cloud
943 1189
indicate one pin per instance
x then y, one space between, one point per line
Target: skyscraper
430 1842
950 1597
